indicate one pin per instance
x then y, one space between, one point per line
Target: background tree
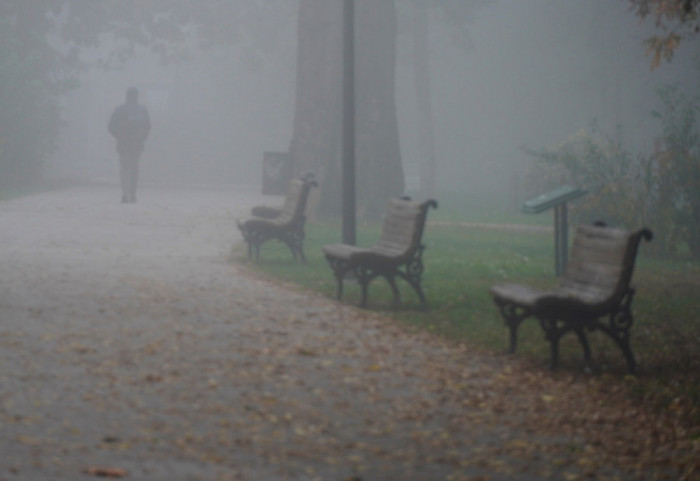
420 35
315 144
660 189
676 165
32 77
44 42
677 19
455 15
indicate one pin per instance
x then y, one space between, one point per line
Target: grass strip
462 260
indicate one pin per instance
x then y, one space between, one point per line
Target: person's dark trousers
129 173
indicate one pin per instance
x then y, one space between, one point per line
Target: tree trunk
379 170
315 143
424 105
316 137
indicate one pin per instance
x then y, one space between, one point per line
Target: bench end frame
364 270
558 319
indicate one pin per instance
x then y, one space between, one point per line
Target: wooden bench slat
601 275
609 255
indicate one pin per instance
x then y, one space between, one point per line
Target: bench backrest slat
403 226
295 200
601 262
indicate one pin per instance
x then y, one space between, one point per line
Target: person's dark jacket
130 125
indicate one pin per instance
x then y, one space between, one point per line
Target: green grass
462 261
480 208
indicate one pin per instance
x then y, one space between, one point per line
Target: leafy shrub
29 102
660 190
613 178
675 174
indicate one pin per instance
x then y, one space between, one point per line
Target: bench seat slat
522 295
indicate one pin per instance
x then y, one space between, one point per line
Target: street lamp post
348 179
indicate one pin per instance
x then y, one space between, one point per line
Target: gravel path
129 342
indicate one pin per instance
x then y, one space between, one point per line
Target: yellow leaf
521 443
28 440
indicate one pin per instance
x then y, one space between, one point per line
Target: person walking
130 125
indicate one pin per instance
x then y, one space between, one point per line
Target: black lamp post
348 179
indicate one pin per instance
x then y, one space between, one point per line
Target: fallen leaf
105 472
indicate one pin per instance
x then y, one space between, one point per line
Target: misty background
531 74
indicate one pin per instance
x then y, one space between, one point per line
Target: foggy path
128 341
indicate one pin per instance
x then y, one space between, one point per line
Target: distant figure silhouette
130 125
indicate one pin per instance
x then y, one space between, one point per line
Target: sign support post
556 199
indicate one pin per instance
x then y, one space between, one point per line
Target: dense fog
531 74
539 71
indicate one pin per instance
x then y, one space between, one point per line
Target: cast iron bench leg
394 290
622 341
583 339
513 315
552 333
364 277
339 271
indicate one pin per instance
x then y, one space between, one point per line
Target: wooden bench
398 252
285 223
595 285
